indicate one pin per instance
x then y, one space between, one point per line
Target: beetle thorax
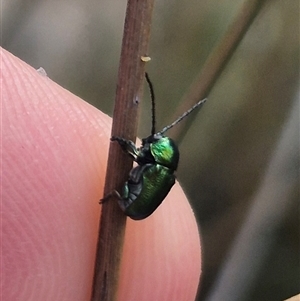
165 152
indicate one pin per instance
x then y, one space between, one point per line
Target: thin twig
129 92
215 64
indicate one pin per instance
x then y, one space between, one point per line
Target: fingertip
54 155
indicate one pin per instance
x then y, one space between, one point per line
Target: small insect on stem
149 183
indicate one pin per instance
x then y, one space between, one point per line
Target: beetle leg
127 146
133 187
136 174
114 193
135 182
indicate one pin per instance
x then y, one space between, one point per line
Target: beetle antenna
152 102
185 114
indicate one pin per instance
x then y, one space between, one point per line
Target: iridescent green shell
141 199
165 152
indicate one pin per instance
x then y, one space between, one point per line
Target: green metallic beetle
150 182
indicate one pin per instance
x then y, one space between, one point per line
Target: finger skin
54 154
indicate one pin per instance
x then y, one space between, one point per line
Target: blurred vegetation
226 152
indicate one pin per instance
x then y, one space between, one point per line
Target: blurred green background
228 152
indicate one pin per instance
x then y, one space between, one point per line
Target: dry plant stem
129 92
216 63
